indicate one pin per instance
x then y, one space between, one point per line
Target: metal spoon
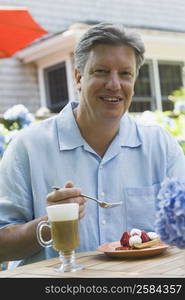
101 203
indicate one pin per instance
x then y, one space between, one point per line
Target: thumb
69 184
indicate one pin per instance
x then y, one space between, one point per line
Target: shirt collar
69 136
129 134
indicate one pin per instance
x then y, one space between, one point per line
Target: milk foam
63 212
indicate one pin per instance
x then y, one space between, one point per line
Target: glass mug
63 223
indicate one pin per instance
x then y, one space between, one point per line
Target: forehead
112 54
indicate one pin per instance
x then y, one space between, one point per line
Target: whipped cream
153 235
135 231
135 239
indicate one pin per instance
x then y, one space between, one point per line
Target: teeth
111 99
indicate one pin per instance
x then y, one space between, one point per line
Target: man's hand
66 195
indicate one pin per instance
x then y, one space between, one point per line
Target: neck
97 135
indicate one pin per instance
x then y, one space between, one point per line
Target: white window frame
153 64
53 60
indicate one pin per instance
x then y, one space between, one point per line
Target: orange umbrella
17 30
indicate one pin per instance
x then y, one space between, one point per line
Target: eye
127 74
101 71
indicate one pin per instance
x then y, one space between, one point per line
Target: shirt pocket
140 207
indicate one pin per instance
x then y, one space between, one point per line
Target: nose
113 82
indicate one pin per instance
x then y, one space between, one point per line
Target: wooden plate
109 249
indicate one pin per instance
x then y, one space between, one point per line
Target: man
91 147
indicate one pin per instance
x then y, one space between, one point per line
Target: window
151 88
56 87
170 80
143 96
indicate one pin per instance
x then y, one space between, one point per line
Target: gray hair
111 34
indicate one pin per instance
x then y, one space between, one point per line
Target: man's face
107 83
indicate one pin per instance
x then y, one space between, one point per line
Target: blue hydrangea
19 113
2 139
170 216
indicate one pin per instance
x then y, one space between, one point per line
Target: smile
111 99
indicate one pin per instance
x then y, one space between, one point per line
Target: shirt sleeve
15 185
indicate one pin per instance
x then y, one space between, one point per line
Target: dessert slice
149 239
138 239
146 244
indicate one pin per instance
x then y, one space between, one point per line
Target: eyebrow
105 66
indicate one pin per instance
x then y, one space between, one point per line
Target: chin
113 117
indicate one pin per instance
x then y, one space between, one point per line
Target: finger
63 194
77 199
81 208
69 184
81 211
80 200
81 214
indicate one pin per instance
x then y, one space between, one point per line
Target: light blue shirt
53 151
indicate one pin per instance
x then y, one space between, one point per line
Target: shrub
14 119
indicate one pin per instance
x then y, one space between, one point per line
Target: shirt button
103 222
102 194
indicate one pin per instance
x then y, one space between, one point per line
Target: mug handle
39 234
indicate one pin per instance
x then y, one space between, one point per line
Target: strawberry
125 239
144 237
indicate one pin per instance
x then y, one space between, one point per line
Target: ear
78 78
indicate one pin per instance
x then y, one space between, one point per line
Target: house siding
18 85
56 15
19 82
